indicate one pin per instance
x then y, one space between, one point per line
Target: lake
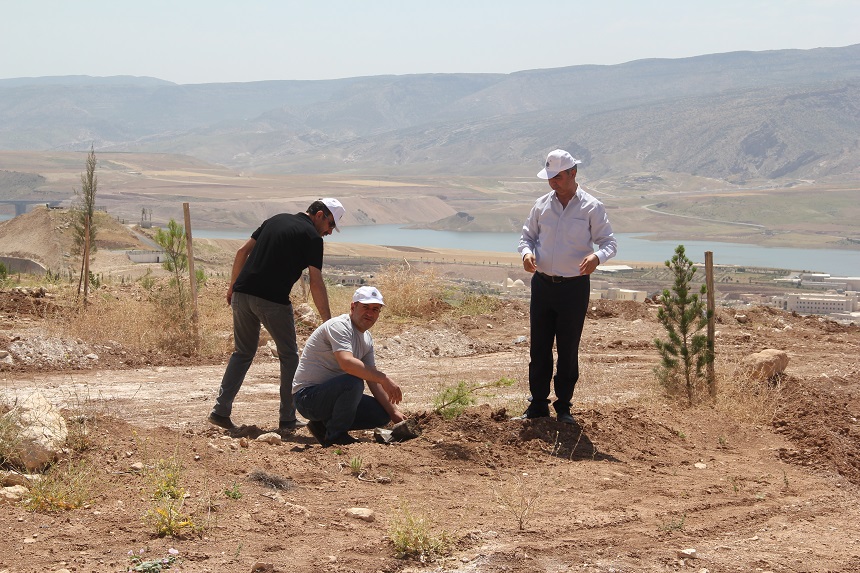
631 247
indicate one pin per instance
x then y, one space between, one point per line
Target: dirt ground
764 480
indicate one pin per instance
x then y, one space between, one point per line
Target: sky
205 41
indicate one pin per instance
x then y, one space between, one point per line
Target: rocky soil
765 479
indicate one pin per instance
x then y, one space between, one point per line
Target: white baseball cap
556 162
336 209
368 295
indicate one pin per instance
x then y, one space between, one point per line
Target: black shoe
291 425
222 421
341 440
530 414
317 430
566 418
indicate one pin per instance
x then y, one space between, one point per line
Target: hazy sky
200 41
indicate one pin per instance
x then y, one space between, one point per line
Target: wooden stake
709 278
189 245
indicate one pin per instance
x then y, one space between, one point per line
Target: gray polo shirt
318 364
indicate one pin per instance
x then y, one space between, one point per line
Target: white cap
556 162
368 295
336 209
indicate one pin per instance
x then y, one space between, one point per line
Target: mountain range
776 117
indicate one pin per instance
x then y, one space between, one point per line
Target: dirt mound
824 432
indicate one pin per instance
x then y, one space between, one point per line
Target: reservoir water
631 247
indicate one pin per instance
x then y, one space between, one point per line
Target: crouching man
328 388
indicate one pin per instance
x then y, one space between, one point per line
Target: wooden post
709 283
189 244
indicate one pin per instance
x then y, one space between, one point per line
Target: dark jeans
249 312
342 405
557 314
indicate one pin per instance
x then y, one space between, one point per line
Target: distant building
614 293
345 280
820 303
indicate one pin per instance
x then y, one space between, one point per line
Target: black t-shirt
286 245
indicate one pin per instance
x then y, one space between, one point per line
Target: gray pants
249 312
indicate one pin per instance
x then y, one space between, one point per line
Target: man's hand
395 394
230 295
529 263
396 416
588 264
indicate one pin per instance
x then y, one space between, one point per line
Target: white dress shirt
560 238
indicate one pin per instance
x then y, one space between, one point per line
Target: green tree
172 241
83 223
683 314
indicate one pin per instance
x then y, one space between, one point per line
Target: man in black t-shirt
264 271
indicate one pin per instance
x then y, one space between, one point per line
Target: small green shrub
233 491
453 400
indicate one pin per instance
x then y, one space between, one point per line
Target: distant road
650 208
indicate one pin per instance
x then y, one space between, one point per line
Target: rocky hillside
746 116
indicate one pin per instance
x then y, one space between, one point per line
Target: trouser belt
556 279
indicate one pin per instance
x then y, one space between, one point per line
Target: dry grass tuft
144 316
410 293
743 397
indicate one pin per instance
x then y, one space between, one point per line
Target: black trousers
557 314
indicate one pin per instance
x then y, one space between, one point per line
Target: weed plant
413 538
10 436
233 491
64 486
139 564
470 304
356 466
519 497
168 518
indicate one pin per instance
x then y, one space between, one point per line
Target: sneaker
317 430
530 414
222 421
291 425
566 418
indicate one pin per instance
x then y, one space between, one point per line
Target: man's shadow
567 441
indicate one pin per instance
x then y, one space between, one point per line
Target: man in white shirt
557 246
328 388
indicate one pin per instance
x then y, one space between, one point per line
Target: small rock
742 318
13 493
362 513
261 567
92 356
270 438
688 554
700 465
520 339
137 467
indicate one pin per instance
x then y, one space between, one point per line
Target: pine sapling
683 314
